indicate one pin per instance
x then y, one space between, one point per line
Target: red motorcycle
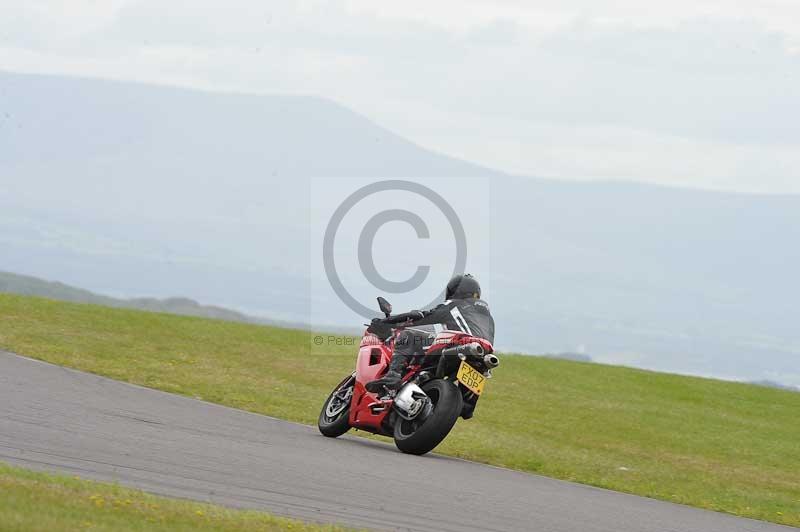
437 388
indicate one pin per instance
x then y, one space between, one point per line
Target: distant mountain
575 357
130 189
774 384
31 286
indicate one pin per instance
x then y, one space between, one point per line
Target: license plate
471 378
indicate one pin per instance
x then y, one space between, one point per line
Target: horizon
171 188
267 321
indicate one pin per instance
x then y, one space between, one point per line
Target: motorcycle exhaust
410 401
491 361
474 349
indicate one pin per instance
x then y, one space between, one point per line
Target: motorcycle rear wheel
334 419
420 437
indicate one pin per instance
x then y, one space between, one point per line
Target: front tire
334 419
415 437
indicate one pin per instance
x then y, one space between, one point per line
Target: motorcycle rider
463 311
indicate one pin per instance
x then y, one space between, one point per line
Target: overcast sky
688 92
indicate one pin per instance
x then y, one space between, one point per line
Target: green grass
31 502
719 445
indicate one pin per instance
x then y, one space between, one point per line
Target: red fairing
366 411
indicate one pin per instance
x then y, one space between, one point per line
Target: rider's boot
391 381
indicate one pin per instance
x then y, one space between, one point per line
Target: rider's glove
380 329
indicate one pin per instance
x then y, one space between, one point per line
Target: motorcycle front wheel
421 436
334 417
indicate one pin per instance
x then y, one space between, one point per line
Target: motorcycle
437 387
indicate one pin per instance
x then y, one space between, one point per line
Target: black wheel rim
339 402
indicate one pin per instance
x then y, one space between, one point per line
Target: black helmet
463 287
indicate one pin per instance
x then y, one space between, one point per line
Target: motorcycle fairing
367 411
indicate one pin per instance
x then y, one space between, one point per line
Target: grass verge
723 446
33 502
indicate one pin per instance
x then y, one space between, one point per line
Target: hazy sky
687 92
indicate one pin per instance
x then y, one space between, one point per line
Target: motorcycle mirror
385 306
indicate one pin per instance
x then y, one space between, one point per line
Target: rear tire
414 438
334 419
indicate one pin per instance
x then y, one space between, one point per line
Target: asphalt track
57 419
